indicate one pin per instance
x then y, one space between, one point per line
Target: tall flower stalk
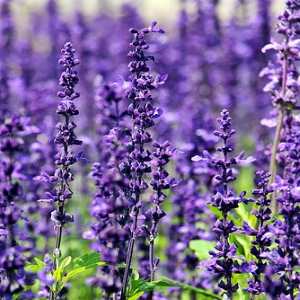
223 262
65 139
262 233
283 75
286 230
160 182
109 230
143 113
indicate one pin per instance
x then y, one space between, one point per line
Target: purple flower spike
263 236
223 256
65 140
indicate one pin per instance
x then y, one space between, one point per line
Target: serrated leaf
202 248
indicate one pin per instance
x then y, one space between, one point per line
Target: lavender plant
65 139
262 233
213 60
283 74
143 114
224 262
285 259
109 206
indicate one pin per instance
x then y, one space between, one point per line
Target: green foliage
68 268
243 244
138 287
202 248
36 266
242 280
244 181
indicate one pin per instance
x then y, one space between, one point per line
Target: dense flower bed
142 164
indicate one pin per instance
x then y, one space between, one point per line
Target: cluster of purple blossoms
263 236
143 114
224 262
65 158
161 181
109 207
14 252
286 230
207 71
65 138
6 37
282 74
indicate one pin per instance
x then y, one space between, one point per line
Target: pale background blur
164 11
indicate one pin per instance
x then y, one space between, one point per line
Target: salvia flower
286 230
143 113
160 182
223 262
109 207
263 236
283 76
65 140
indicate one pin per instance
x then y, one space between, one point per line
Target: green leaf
136 296
165 283
244 181
242 280
202 248
243 244
215 211
245 216
39 262
88 259
65 262
35 267
75 272
57 274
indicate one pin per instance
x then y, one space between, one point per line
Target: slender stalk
279 125
152 266
129 255
53 295
273 164
151 259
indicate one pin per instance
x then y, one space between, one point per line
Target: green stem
273 164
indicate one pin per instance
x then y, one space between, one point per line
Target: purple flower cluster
127 208
109 207
224 263
263 236
65 140
13 251
286 230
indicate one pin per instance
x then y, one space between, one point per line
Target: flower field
150 159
